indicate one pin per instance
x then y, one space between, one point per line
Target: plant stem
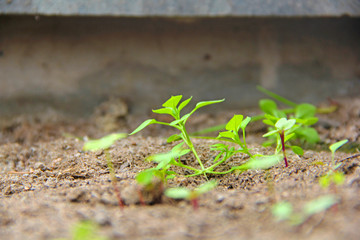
282 137
188 142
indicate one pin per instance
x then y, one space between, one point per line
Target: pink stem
282 137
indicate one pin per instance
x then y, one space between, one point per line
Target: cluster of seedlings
287 129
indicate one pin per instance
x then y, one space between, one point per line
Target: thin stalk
282 137
191 146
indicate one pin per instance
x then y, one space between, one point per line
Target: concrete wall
74 63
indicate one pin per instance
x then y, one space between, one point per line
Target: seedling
191 195
105 143
173 108
283 211
333 176
284 130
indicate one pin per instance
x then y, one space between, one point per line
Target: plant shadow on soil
48 184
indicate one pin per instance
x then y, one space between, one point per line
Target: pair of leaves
236 123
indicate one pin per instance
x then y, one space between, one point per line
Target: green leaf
144 125
184 103
289 136
185 117
282 211
297 150
310 135
338 178
204 188
178 193
172 102
173 138
271 133
337 145
205 103
284 124
325 181
226 134
234 123
146 177
267 106
320 204
168 111
305 110
245 122
104 142
261 162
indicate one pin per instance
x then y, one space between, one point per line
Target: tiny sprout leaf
270 133
146 177
320 204
204 188
104 142
226 134
178 193
305 110
172 102
289 136
267 106
338 178
245 122
234 123
282 211
184 103
173 138
310 135
337 145
143 125
168 111
297 150
261 162
205 103
284 124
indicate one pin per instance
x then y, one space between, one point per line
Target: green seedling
284 129
333 176
191 195
85 230
173 108
283 211
105 143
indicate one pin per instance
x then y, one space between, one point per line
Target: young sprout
85 230
333 176
173 108
284 128
283 211
105 143
191 195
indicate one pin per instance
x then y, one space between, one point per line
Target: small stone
40 165
8 190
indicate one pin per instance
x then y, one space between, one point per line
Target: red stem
118 195
282 137
195 204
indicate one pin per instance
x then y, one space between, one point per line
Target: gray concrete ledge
183 8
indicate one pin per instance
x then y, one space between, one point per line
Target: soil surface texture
48 185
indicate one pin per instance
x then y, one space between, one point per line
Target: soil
48 184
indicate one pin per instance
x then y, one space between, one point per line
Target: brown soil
48 184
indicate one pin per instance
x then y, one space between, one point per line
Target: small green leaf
245 122
261 162
168 111
173 138
184 103
205 103
178 193
289 136
234 123
320 204
172 102
297 150
267 106
337 145
284 124
204 188
325 181
104 142
226 134
271 133
305 110
144 125
282 211
146 177
338 178
310 135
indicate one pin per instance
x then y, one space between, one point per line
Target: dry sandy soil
48 184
